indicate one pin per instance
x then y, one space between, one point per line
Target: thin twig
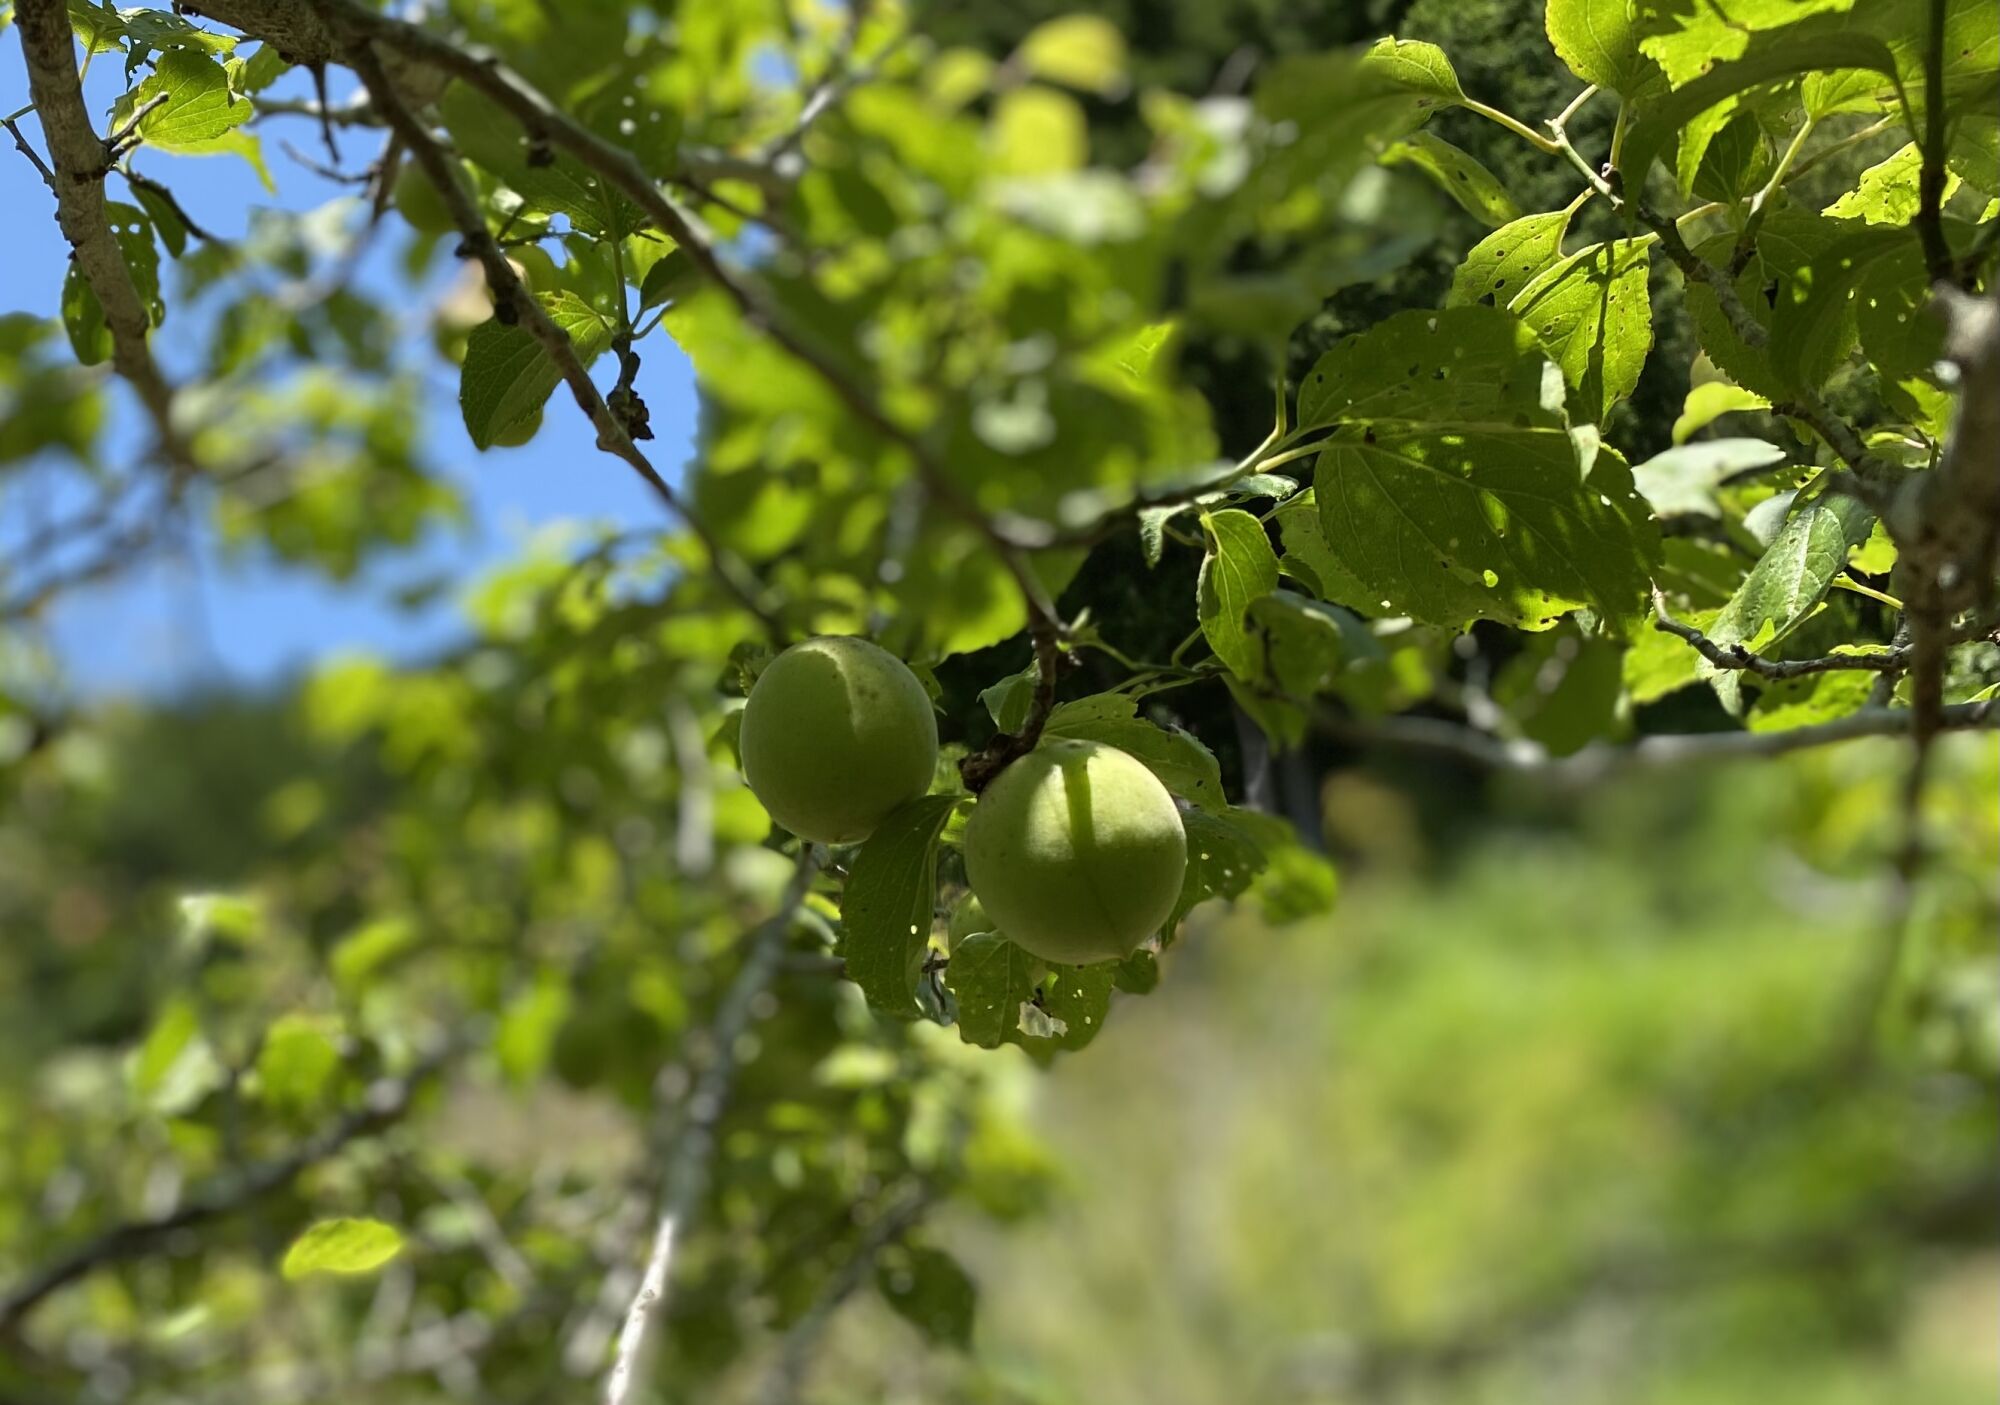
1931 175
1736 657
692 1154
513 303
386 1103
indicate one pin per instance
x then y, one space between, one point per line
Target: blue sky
195 619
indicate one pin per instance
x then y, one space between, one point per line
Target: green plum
837 733
1076 851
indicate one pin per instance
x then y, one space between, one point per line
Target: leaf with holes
507 376
1311 562
1687 41
1223 859
1505 261
1790 240
1459 173
1450 527
1183 764
990 977
1594 316
1079 996
1239 567
1459 365
890 899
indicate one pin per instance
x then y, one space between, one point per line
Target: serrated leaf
887 909
1788 582
1449 527
1506 260
507 376
1223 860
342 1246
989 976
1708 402
1239 567
1184 766
1887 192
928 1288
1459 173
1418 67
1594 315
1768 57
1080 997
1007 702
1790 240
199 106
1311 562
1462 364
1682 481
1687 41
1599 40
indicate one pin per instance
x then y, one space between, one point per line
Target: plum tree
418 201
837 733
1076 852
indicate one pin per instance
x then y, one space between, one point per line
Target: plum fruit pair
1075 851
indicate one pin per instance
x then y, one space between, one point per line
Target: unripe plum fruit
968 919
1076 851
837 733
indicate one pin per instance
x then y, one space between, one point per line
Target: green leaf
175 1067
928 1288
297 1063
1599 40
342 1246
1593 313
507 376
668 280
1079 996
1183 764
1309 560
1824 95
199 105
1449 527
1708 402
1008 701
1306 642
1689 40
1815 698
1086 52
1735 162
489 137
1224 858
83 319
1239 567
1459 173
1788 582
1416 67
1769 57
1887 191
1975 152
1657 663
890 898
1506 260
1791 239
990 977
1682 481
1813 324
165 219
1462 364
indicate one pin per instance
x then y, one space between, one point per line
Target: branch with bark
385 1104
689 1154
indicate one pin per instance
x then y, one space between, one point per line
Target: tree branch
1603 760
385 1103
782 1383
81 160
684 1180
544 121
1737 658
513 303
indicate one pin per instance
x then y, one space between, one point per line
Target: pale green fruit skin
837 733
1076 852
